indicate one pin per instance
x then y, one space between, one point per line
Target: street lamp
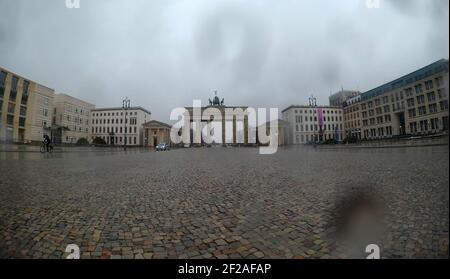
125 106
313 104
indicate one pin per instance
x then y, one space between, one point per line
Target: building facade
25 109
352 118
117 126
229 124
156 132
313 124
415 104
71 119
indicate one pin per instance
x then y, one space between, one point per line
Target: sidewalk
407 142
5 147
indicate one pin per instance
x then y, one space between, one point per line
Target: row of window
312 128
13 93
103 114
353 124
426 125
299 119
376 121
10 120
77 110
133 121
116 130
310 111
378 132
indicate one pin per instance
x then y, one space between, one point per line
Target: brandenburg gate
227 125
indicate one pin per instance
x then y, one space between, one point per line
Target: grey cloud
164 54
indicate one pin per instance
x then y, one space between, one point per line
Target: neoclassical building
229 124
156 132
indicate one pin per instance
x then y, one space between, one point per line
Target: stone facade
26 109
156 132
72 117
313 124
117 126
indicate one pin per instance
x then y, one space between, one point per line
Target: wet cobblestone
222 203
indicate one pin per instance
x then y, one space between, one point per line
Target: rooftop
434 68
120 108
309 107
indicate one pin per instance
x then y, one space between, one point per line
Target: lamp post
313 104
125 107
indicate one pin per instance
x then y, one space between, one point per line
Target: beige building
352 118
156 132
25 109
313 124
117 126
415 104
71 119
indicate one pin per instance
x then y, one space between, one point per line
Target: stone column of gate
246 129
223 126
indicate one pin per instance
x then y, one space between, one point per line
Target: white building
313 124
72 118
119 126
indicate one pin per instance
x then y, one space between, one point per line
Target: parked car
162 147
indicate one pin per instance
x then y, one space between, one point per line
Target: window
410 102
422 110
2 83
378 111
2 78
10 120
443 105
428 84
11 108
22 121
432 108
434 123
420 99
23 110
26 84
418 88
438 81
412 113
14 82
431 97
13 93
387 118
408 92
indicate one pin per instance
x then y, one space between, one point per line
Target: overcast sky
163 54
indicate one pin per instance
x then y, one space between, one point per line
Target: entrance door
155 141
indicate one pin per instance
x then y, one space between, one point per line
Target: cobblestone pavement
227 203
